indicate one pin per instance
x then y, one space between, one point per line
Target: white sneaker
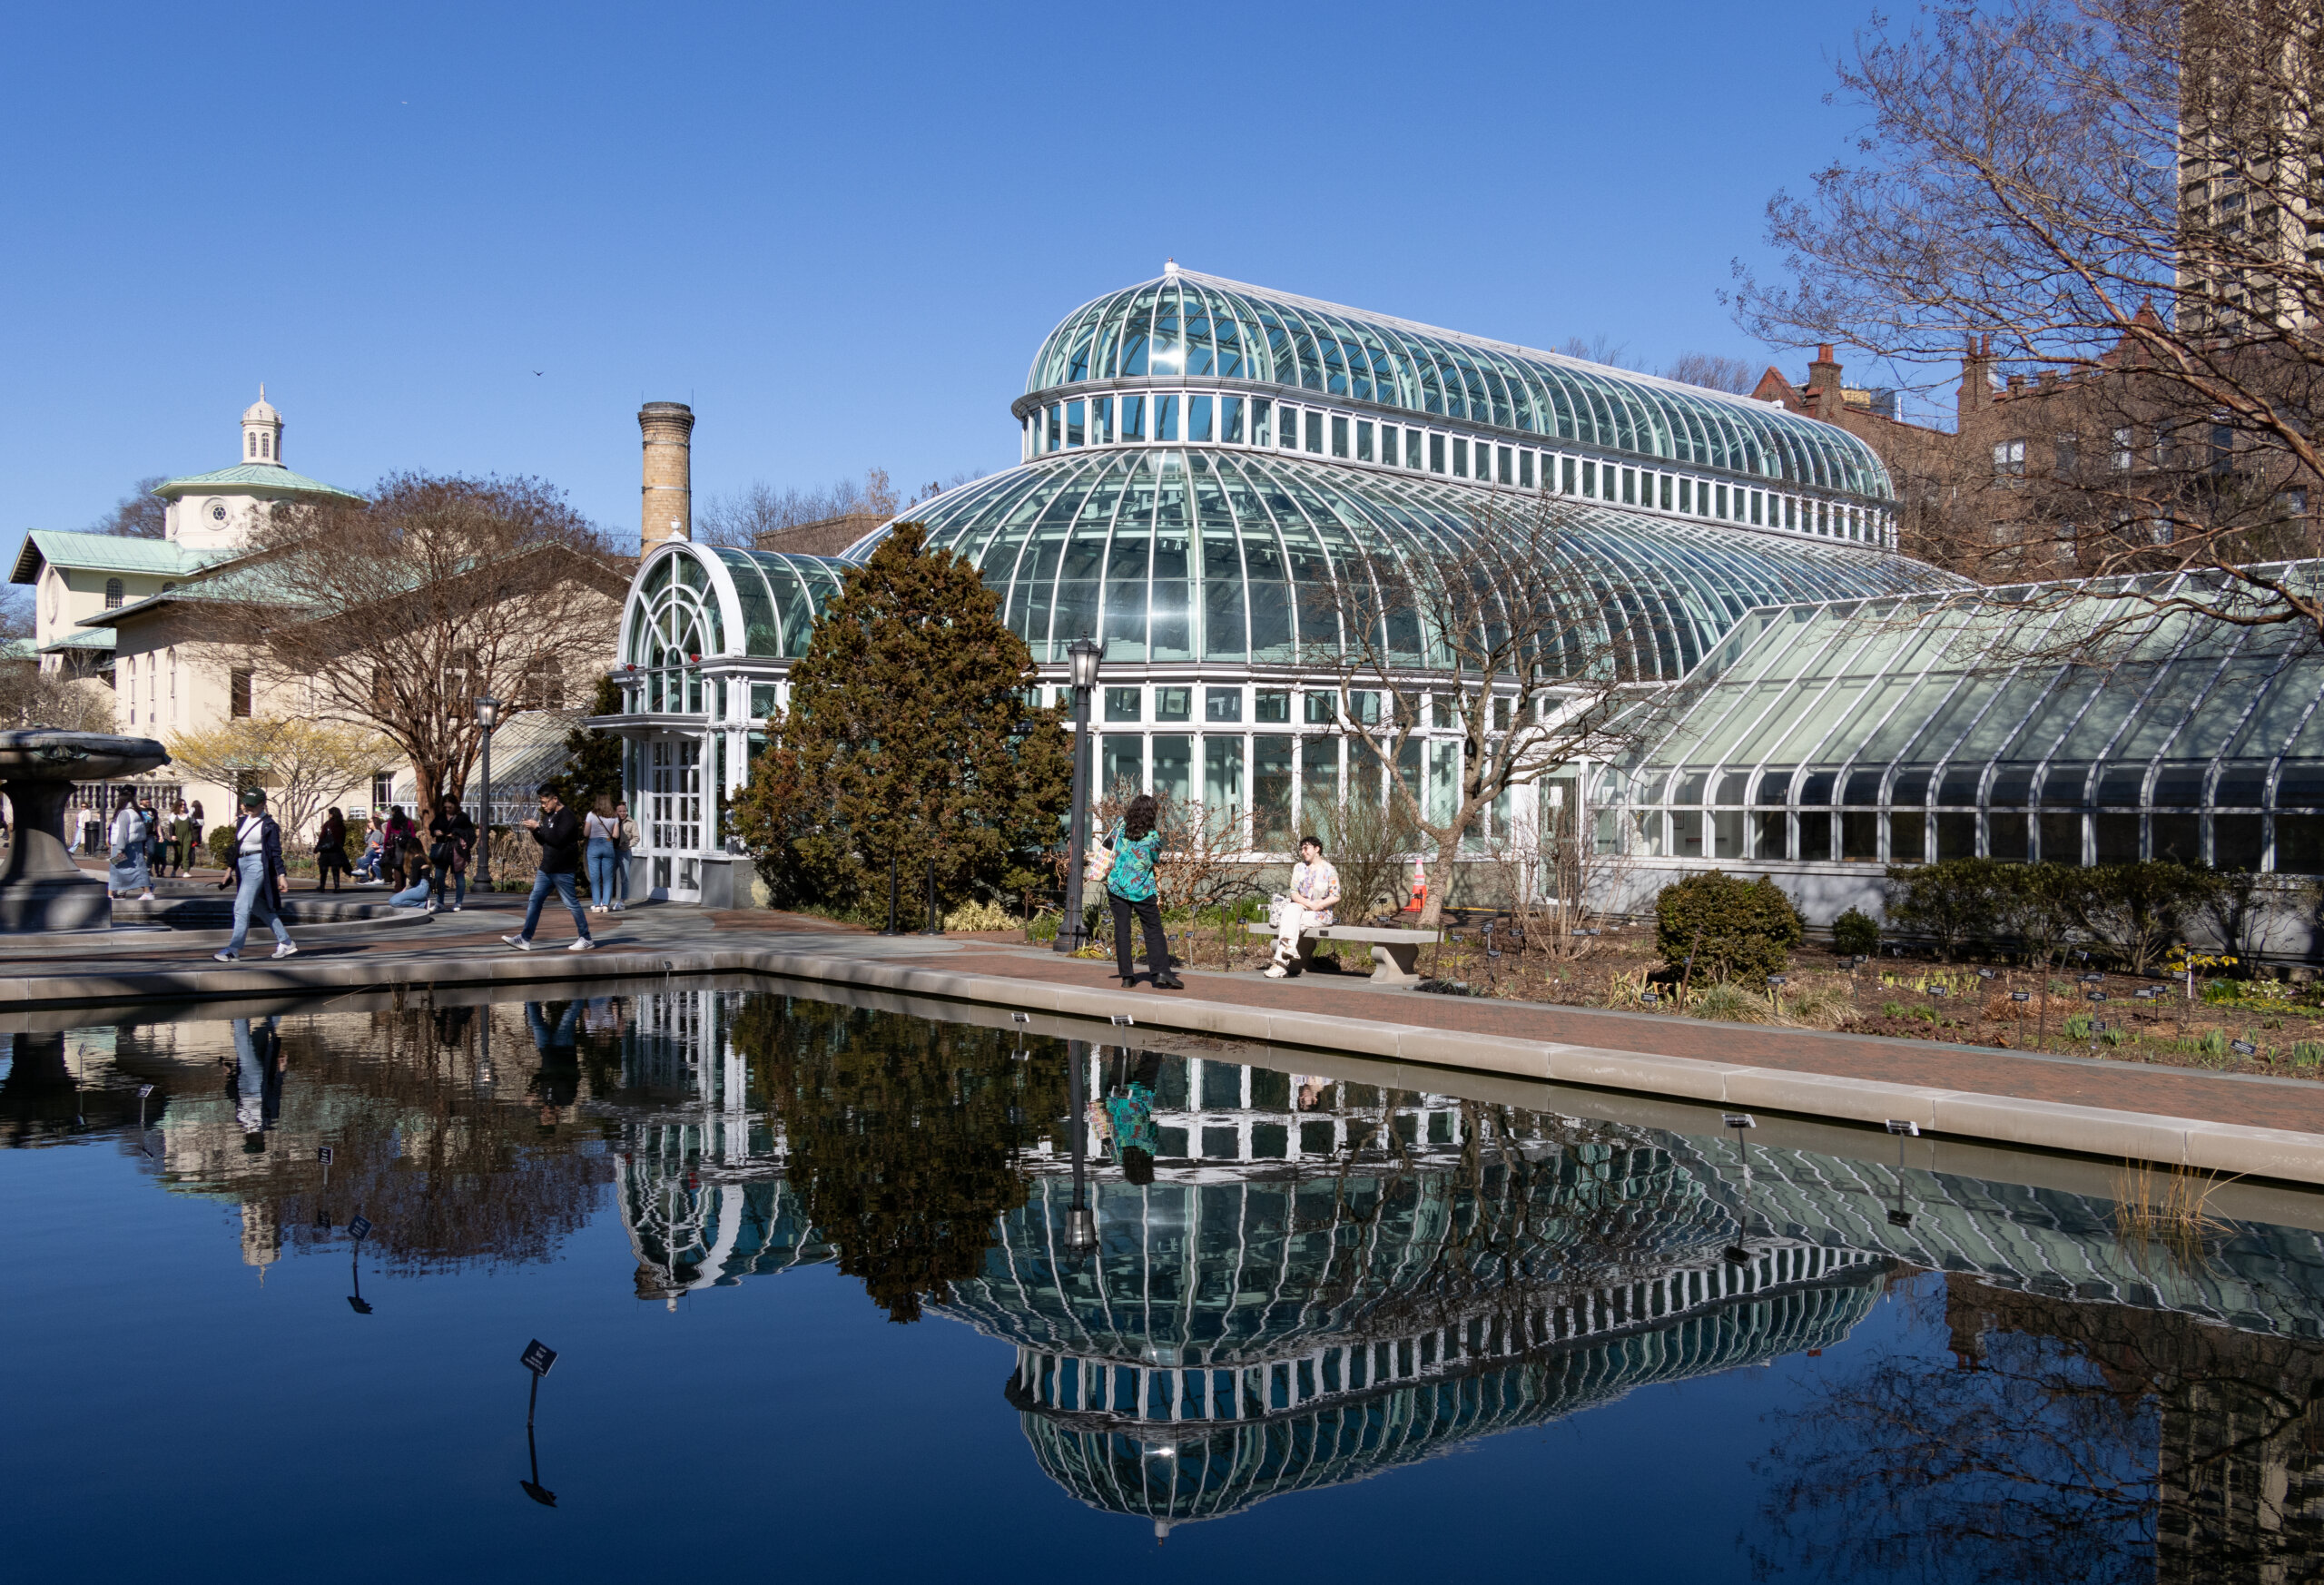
1275 971
147 898
227 957
428 908
286 949
456 907
519 943
582 944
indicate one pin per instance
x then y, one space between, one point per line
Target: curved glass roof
1188 555
1199 327
700 600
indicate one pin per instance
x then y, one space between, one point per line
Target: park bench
1395 953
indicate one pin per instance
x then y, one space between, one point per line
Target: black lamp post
1081 657
487 713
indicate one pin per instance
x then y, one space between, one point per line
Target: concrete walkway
2117 1111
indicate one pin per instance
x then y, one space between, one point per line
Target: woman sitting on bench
1315 893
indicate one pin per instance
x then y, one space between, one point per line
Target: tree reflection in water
2066 1441
904 1135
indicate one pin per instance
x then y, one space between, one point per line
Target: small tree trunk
1447 846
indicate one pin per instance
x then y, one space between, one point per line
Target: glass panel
1121 764
1859 836
2005 837
1165 418
1230 420
2300 844
1957 836
1770 837
1339 435
1174 703
1907 837
1222 784
1271 787
2117 836
1686 833
1173 767
2178 837
1319 781
1271 704
1362 440
2061 838
2235 841
1123 704
1815 836
1222 704
1076 430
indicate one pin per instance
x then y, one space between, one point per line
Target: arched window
112 594
249 444
266 447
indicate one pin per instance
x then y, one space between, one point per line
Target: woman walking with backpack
1130 888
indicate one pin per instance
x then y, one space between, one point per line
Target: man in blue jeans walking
559 836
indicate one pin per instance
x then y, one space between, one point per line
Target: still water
810 1278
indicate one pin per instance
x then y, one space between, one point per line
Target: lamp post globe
488 716
1081 659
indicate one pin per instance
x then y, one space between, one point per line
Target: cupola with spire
262 431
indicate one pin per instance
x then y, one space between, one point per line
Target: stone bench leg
1306 953
1395 963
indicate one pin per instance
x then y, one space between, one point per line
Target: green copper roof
93 638
271 476
109 553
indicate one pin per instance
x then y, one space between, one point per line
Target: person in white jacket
125 847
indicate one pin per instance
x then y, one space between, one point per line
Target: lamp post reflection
1080 1221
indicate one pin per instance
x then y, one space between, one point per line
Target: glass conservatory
1208 474
707 633
1973 723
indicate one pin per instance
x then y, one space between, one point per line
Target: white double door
672 828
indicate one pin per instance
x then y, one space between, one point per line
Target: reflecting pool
847 1291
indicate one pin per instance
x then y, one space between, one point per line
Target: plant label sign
360 1228
322 1153
2243 1048
2021 995
537 1357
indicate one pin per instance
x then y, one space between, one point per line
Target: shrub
2140 910
1855 934
1953 903
1734 930
221 843
979 915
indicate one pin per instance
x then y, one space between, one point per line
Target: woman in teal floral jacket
1131 886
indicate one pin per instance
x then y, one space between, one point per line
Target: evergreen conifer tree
909 736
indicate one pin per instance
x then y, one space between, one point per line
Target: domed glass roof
1189 327
1192 555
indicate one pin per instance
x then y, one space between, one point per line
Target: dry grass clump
2171 1208
1819 1007
1727 1003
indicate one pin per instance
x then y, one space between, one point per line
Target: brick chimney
1823 384
1977 376
665 508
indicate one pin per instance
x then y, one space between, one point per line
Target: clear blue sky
839 230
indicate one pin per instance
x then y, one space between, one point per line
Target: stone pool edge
2281 1155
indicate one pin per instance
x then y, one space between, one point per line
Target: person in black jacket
256 872
559 836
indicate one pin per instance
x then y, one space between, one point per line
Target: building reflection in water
1309 1281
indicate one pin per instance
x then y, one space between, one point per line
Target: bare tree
2118 190
139 514
400 611
1714 371
1598 348
305 764
31 697
738 518
1476 665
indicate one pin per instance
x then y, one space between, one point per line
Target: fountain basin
42 888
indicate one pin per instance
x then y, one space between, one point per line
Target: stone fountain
42 888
